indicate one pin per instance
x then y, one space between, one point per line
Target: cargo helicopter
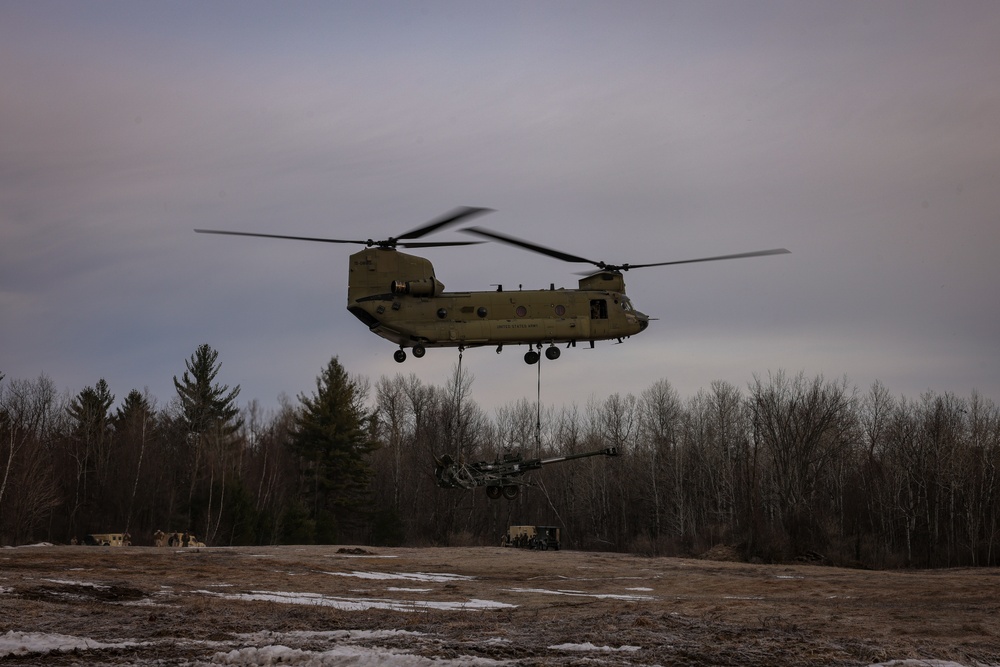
398 297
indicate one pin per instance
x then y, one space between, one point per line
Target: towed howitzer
501 477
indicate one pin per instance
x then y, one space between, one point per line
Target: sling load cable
456 432
538 441
538 408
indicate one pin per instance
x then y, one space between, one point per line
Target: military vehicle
501 477
176 539
399 297
108 539
532 537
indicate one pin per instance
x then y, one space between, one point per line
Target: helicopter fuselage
400 299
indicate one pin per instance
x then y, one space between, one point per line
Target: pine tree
90 446
211 417
134 422
332 442
206 405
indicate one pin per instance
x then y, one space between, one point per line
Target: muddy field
478 606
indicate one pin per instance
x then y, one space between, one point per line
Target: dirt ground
488 606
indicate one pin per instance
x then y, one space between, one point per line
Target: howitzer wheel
510 491
493 492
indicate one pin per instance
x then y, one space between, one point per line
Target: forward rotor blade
438 244
278 236
449 218
527 245
756 253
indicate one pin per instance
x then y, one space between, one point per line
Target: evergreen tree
209 413
89 410
90 446
332 442
135 423
206 405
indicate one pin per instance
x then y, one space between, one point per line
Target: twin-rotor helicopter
398 297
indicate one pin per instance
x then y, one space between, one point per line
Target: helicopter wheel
493 492
531 357
419 351
510 491
552 352
399 356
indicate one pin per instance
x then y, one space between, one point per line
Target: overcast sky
862 136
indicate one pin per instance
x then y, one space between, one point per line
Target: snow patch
87 584
41 643
358 604
591 647
269 636
360 556
913 662
342 655
599 596
413 576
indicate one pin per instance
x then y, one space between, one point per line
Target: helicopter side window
598 309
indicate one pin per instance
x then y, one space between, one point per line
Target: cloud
859 137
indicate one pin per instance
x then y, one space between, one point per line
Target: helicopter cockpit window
598 309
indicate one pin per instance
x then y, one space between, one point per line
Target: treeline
789 467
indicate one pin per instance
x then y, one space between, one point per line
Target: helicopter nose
643 321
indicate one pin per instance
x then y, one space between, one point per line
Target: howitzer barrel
607 451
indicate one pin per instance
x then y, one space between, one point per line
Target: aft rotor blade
449 218
279 236
527 245
756 253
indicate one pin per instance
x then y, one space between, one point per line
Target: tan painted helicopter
399 298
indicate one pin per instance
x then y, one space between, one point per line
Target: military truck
532 537
176 539
108 539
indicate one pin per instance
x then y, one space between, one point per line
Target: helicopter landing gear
493 492
510 491
499 349
551 352
400 355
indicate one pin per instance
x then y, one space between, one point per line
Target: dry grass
677 611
